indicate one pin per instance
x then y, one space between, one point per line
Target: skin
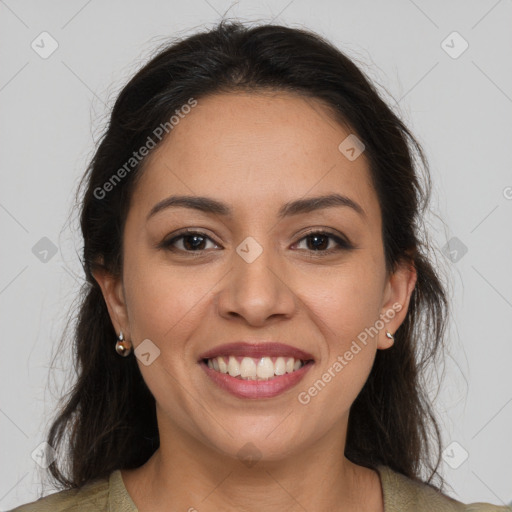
254 152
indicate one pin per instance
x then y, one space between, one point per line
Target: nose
257 291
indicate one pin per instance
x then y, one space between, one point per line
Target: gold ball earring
123 347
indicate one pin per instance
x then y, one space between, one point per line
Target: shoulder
402 494
98 496
92 496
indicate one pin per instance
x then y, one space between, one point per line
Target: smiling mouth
256 369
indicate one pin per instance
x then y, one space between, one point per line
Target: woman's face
249 271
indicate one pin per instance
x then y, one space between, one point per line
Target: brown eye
318 242
189 242
321 241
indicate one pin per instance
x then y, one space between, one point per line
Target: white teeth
263 368
248 368
280 366
223 367
233 367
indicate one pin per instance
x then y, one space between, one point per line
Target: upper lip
256 350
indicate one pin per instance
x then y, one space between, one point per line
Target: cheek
345 306
346 300
162 301
165 305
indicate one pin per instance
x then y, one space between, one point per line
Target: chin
251 442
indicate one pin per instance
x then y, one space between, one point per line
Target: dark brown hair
108 418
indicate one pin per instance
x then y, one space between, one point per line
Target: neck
186 475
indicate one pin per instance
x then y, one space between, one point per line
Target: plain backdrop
453 90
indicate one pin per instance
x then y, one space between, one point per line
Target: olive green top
401 494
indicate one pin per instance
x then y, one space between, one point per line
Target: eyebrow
299 206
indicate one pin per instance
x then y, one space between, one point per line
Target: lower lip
256 388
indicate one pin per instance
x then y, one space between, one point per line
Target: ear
397 295
113 293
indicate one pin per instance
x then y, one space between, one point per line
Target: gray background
460 108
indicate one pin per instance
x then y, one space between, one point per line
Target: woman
259 301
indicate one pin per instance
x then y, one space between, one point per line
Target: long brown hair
108 418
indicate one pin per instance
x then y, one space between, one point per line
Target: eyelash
341 243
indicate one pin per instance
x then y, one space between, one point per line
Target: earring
123 347
389 336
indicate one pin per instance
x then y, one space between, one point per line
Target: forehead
250 149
